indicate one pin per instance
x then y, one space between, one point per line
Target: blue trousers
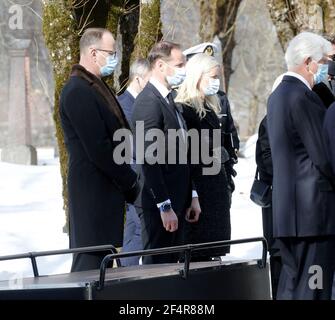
132 240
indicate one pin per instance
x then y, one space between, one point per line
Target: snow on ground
31 215
32 218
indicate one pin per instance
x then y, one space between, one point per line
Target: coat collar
103 89
212 119
295 77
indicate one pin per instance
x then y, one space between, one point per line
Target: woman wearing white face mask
201 106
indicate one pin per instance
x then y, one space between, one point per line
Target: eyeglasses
111 53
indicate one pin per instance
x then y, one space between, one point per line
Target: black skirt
214 222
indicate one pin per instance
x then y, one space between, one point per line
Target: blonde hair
188 92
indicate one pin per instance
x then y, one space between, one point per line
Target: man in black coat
303 183
139 75
97 186
166 194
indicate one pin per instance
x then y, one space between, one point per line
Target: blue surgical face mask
177 78
109 67
321 74
212 87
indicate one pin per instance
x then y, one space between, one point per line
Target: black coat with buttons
213 191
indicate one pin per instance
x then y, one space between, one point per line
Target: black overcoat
214 195
303 194
96 184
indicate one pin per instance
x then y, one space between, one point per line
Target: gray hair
91 36
140 67
306 45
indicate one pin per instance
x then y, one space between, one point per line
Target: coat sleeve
149 113
263 151
82 110
307 117
230 128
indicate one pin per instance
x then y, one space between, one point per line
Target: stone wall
41 72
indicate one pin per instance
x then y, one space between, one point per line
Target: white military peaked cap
206 47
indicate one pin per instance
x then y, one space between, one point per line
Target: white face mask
109 67
212 87
322 73
178 76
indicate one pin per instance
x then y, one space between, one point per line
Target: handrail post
187 257
103 268
34 264
262 262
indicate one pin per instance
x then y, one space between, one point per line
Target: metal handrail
33 255
186 249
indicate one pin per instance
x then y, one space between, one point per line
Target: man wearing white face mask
98 187
166 194
303 197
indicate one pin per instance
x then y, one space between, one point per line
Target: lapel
103 89
163 101
309 93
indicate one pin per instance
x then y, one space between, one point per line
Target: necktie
178 111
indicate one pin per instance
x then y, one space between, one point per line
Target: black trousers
155 236
275 269
275 259
301 257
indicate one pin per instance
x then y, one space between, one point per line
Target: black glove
231 184
229 168
132 194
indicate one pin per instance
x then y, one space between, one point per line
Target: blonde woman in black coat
201 107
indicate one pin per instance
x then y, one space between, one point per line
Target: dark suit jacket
127 103
160 181
96 184
329 133
303 195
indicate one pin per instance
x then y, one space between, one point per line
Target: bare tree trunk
63 23
149 28
129 21
292 17
218 18
61 38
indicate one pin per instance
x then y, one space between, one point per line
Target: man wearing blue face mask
303 197
98 187
166 197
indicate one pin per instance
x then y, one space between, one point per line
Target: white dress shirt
132 92
298 76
